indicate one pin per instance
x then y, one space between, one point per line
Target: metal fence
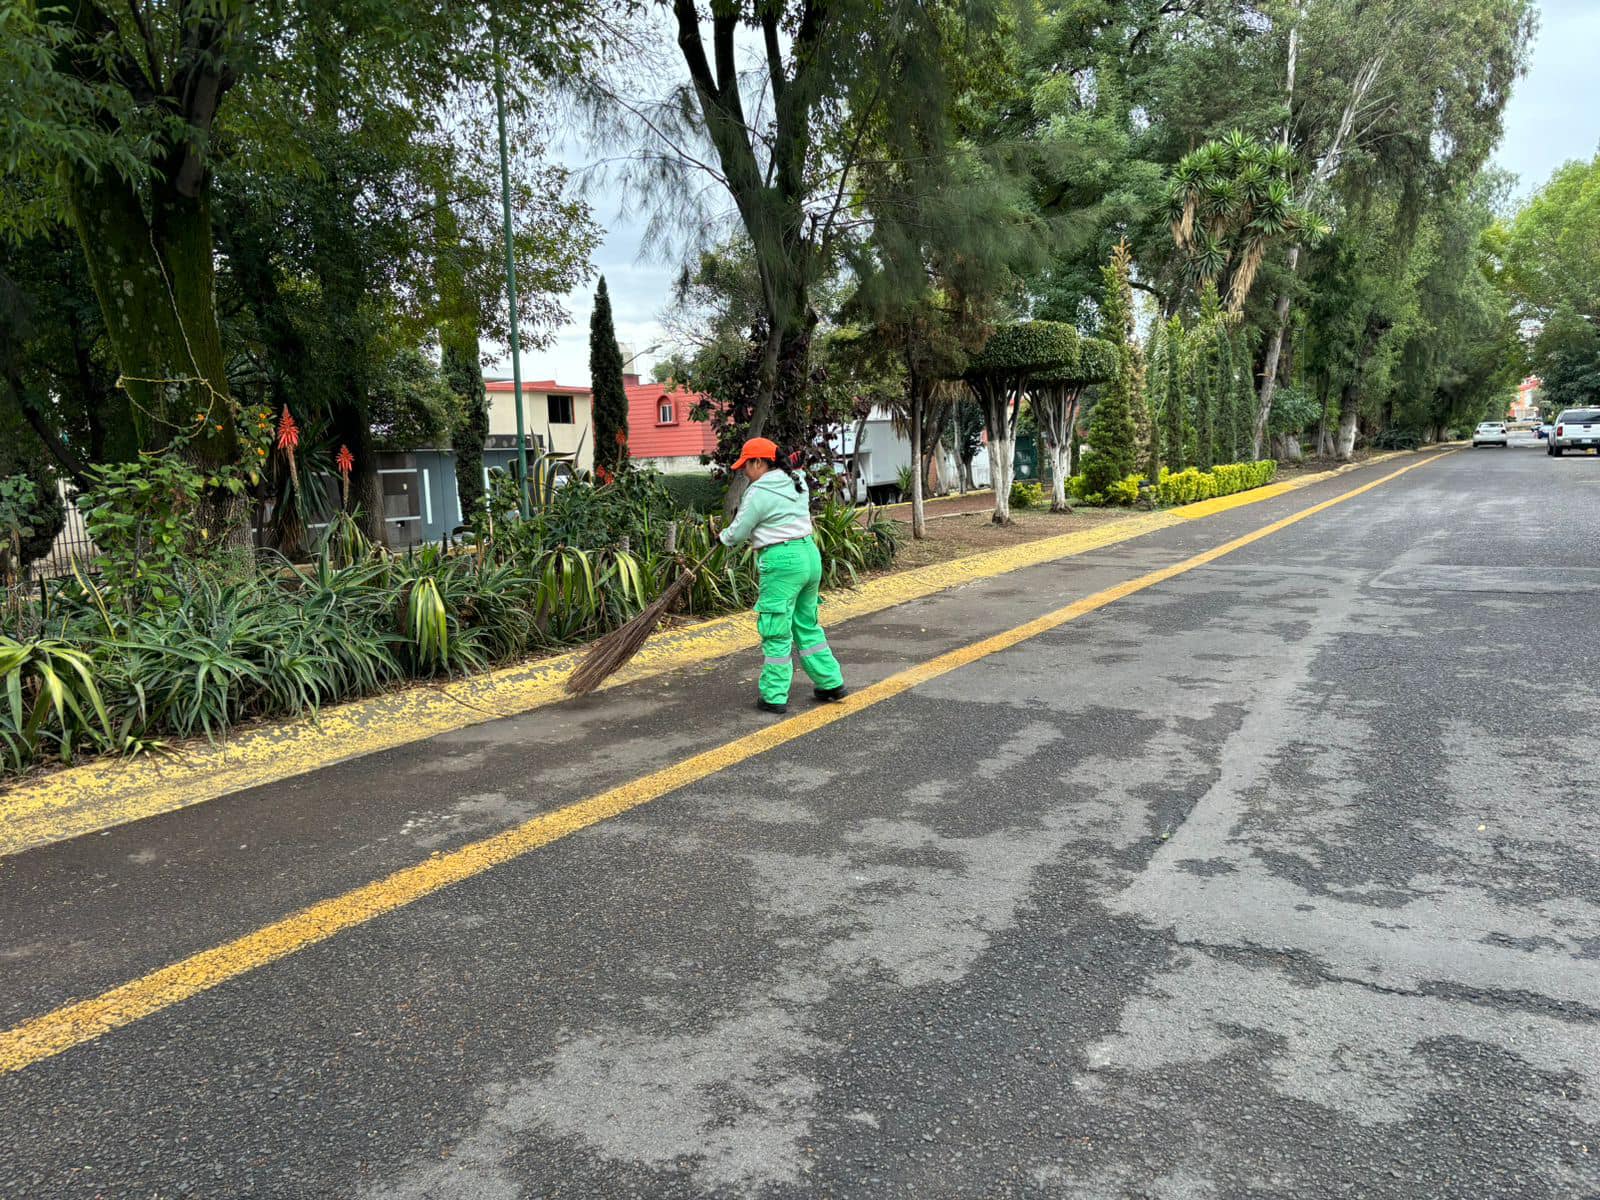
72 544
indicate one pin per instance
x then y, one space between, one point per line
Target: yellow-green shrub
1192 485
1124 491
1026 495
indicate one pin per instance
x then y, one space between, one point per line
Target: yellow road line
83 1021
106 793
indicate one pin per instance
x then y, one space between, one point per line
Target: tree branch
769 33
151 54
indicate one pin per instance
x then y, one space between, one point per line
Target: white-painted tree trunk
1346 448
1058 477
1002 456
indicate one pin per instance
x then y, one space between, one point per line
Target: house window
664 416
561 410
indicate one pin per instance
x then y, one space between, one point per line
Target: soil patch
971 533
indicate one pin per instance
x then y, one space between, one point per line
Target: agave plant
50 696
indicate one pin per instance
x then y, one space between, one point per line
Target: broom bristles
613 652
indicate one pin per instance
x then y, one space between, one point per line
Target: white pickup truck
1575 429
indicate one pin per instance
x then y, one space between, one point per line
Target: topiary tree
610 400
998 375
1055 397
1113 427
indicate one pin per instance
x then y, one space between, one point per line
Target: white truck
1575 429
883 453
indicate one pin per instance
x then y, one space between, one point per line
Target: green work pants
786 616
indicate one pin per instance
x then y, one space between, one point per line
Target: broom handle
700 563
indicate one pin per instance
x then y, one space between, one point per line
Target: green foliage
1113 426
192 645
1552 249
1179 487
50 699
1293 410
31 511
1175 424
1227 202
1567 356
412 404
1027 495
1124 491
1025 349
143 515
1191 485
1098 360
605 378
695 493
470 433
31 515
849 549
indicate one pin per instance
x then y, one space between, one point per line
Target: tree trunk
1006 453
154 279
67 462
1349 407
778 410
919 527
1002 451
855 457
1269 370
1058 482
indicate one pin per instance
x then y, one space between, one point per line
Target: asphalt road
1280 878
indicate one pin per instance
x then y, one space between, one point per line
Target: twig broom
614 651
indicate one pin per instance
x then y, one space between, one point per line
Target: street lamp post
511 280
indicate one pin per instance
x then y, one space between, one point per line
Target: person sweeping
775 516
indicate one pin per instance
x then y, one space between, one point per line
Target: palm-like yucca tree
1228 201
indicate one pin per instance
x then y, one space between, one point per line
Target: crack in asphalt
1308 966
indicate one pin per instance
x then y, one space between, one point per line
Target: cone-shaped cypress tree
1227 396
605 377
1175 425
1244 409
1113 428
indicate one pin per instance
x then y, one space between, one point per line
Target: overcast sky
1553 117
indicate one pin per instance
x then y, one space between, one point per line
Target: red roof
649 437
534 385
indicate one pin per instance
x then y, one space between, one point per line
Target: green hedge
697 493
1186 487
1182 487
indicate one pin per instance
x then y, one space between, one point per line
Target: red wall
648 438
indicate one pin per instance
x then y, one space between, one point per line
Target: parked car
1490 433
1575 429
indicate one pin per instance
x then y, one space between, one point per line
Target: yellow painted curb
82 1021
106 793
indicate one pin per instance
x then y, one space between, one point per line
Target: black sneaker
767 706
830 695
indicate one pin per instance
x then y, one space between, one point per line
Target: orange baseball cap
757 448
